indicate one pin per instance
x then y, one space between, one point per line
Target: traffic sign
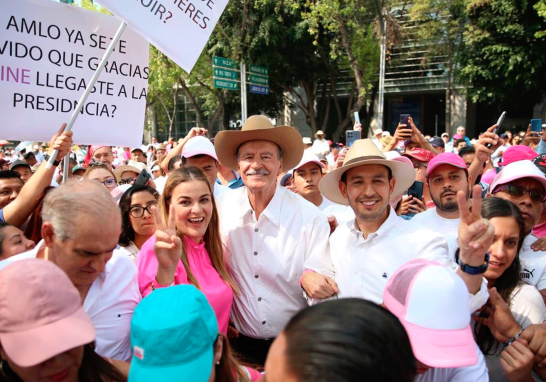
259 80
225 73
224 62
225 84
259 70
258 89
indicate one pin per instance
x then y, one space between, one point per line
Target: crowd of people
260 255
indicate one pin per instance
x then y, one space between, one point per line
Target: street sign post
259 80
226 74
258 89
225 84
224 62
259 70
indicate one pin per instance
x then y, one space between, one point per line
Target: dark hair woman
137 219
13 241
344 340
503 273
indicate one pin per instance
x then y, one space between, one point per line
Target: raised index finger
158 221
172 220
464 208
477 202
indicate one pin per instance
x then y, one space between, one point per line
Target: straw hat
365 152
259 127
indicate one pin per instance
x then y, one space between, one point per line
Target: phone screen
416 190
142 178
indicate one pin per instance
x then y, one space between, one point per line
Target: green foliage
503 58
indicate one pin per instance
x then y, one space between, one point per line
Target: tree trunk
361 89
309 88
193 101
448 92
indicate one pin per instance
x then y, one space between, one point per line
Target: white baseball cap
130 166
309 157
307 141
431 302
518 170
199 146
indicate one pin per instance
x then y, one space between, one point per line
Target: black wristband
475 270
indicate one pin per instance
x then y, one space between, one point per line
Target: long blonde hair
213 242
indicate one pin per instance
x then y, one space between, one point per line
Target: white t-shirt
533 264
528 308
475 373
320 147
340 212
160 183
110 303
448 228
131 251
220 190
326 203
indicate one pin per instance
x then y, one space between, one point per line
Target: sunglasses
109 183
537 196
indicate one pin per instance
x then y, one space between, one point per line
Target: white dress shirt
448 228
110 303
320 146
266 257
362 267
533 264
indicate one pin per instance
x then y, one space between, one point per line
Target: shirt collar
273 209
191 243
387 225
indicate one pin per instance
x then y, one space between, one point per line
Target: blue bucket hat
173 331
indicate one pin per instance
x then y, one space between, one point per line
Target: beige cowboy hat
259 127
320 132
365 152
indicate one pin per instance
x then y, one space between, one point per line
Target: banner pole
90 85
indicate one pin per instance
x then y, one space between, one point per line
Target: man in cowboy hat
320 145
268 232
366 251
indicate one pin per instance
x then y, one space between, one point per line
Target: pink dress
218 293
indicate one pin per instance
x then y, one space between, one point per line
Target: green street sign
259 80
227 74
224 84
259 70
224 62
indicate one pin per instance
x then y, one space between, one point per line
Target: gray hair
76 202
279 150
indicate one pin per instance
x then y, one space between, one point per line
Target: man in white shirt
366 251
320 145
80 230
446 175
267 230
524 184
307 176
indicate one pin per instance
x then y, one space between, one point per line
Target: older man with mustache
268 232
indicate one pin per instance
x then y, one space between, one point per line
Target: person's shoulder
298 203
527 252
423 216
22 256
120 264
229 196
527 292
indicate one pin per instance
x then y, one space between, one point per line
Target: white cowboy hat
364 152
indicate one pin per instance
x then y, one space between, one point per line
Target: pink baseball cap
457 136
41 313
420 154
451 159
199 146
309 157
431 302
517 170
517 153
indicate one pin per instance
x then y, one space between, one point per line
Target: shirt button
256 276
255 253
255 229
263 322
259 299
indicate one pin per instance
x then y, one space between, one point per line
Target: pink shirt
219 294
540 230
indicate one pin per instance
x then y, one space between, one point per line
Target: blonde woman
186 247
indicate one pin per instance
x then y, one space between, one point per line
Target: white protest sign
48 53
178 28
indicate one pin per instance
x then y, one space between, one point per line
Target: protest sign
178 28
48 53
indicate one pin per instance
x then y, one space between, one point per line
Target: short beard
369 217
449 206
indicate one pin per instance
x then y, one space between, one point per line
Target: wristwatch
475 270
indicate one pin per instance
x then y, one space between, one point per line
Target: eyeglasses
138 211
127 181
109 183
417 165
537 196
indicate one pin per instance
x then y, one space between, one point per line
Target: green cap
173 331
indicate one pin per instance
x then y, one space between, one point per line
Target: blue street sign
258 89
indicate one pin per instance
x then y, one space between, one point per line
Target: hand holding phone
142 178
536 125
351 136
404 120
499 125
